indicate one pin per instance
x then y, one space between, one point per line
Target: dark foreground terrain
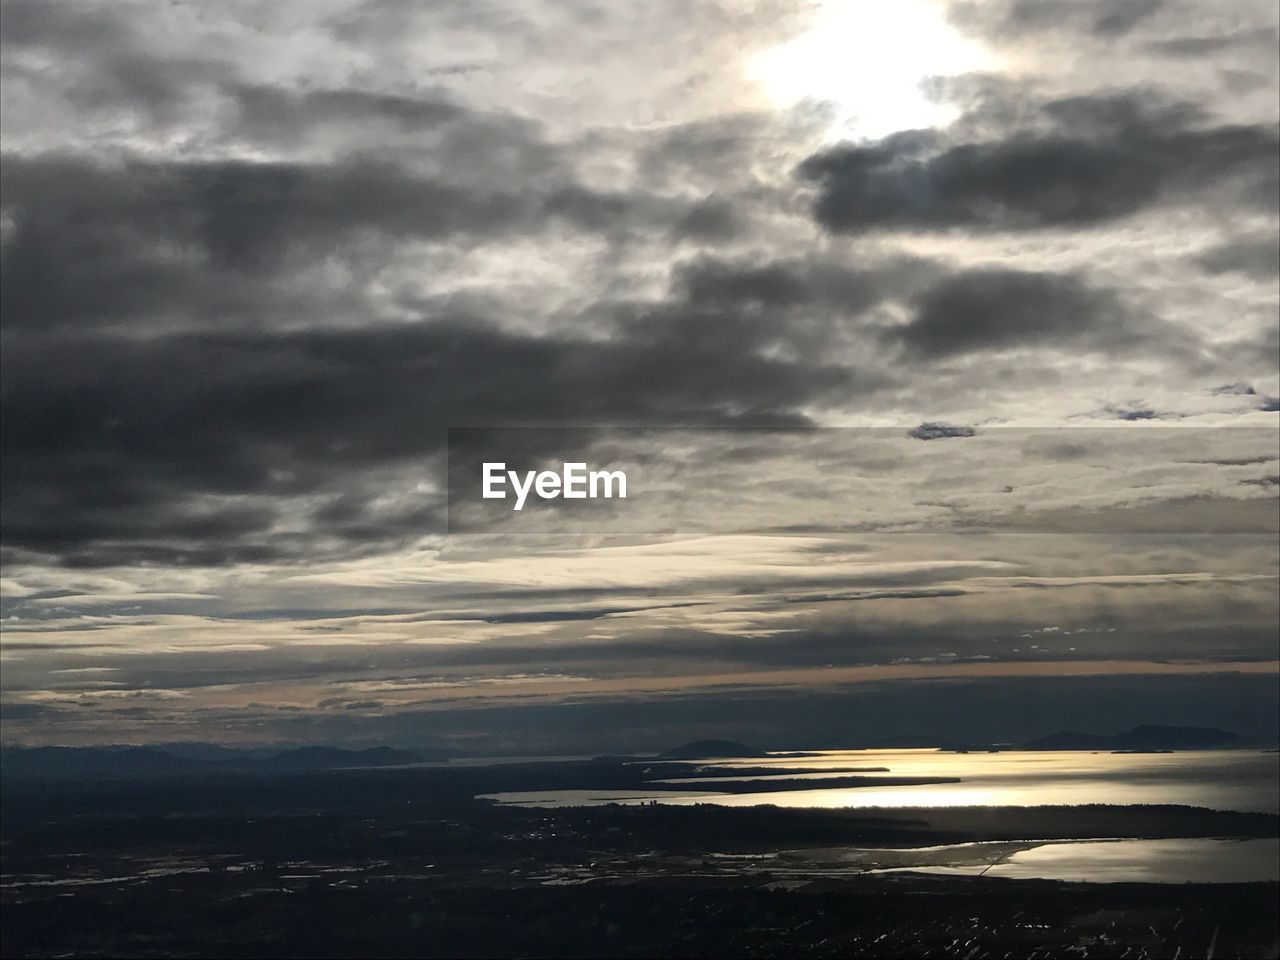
406 863
277 915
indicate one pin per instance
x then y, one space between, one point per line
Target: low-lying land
406 862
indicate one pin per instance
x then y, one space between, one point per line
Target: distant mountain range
1146 737
125 762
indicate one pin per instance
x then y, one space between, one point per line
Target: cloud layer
258 260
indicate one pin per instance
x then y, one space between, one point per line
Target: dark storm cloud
122 447
987 310
204 448
233 242
146 242
132 446
799 307
1083 161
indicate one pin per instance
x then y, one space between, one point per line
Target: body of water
1132 861
1241 780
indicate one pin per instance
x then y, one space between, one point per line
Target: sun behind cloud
868 63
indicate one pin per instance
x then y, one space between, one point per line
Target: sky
939 341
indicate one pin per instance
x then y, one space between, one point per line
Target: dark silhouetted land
393 861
